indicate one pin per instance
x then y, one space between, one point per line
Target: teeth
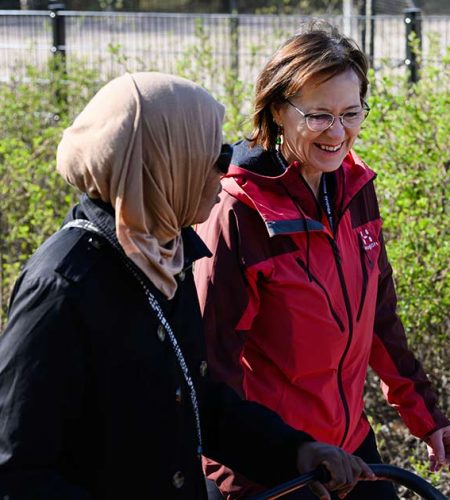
329 148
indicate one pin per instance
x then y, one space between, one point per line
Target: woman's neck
313 181
311 175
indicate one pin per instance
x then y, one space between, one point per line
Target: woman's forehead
343 86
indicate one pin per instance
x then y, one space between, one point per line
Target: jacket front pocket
327 296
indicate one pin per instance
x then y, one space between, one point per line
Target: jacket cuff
288 469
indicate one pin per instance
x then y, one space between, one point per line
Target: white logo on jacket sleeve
368 240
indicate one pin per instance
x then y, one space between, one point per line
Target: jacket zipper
333 312
362 255
337 259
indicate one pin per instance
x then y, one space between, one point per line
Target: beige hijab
145 143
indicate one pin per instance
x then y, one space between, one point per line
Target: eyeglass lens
322 121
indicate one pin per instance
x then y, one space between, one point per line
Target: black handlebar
390 472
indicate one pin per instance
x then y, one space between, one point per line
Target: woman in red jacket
298 299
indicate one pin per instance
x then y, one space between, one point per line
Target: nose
337 130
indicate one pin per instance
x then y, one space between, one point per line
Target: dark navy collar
103 216
256 159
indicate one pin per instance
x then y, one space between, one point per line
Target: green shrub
33 197
405 139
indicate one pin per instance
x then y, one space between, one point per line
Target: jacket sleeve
404 381
41 388
228 296
249 438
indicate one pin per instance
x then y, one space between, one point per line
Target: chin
335 167
329 168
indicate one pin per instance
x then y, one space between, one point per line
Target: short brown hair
318 53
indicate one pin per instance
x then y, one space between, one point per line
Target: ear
275 109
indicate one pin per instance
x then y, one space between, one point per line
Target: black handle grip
390 472
409 479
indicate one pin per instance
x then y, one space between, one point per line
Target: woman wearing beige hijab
104 386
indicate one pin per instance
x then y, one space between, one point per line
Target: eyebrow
326 110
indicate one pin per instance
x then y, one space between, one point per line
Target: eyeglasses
319 122
224 160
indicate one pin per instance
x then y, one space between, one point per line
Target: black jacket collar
103 216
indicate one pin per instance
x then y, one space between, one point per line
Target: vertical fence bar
413 21
368 11
347 13
363 27
371 4
58 50
234 37
58 29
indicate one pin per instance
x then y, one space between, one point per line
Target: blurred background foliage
405 140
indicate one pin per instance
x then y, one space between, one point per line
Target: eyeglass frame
365 108
224 160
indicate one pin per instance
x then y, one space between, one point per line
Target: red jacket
295 312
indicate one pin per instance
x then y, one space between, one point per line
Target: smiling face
320 152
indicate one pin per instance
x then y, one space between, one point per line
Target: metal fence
112 42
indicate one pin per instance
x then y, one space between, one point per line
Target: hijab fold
145 144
